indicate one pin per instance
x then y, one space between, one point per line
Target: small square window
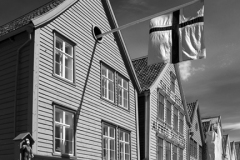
160 106
63 58
64 132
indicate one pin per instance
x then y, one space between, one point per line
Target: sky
214 81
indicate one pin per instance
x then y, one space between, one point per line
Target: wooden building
163 117
226 147
212 128
233 151
237 148
75 94
197 138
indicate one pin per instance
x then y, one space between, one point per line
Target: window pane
112 155
112 144
105 130
121 148
57 145
125 84
69 119
59 116
126 137
58 131
68 62
68 147
69 134
68 49
104 73
105 154
121 135
121 156
104 88
68 73
112 132
127 148
59 44
127 157
110 75
111 91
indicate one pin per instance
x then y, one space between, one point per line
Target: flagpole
147 18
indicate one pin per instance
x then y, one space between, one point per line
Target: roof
146 73
26 19
191 108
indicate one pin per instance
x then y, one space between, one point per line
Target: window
200 152
180 154
122 92
64 59
193 148
160 106
175 119
168 151
107 83
64 132
169 112
124 149
109 140
181 123
174 152
160 149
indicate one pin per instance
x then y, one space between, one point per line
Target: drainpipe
29 30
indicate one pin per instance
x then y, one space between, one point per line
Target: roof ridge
142 57
26 18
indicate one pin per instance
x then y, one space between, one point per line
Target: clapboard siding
165 77
8 60
197 135
85 93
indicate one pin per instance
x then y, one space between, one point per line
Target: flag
177 36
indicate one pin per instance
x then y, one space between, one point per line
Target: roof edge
200 121
182 95
38 21
119 35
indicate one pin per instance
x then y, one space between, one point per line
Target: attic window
96 31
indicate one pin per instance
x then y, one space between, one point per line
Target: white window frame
64 55
175 127
106 94
122 89
63 125
159 146
108 137
168 102
175 147
167 150
161 104
124 142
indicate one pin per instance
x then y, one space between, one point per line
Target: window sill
114 104
64 156
64 80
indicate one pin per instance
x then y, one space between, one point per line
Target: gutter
29 30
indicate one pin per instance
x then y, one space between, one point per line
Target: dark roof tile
25 19
147 73
191 108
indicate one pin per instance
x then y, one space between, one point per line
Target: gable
196 129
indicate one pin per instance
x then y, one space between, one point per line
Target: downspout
137 125
29 30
